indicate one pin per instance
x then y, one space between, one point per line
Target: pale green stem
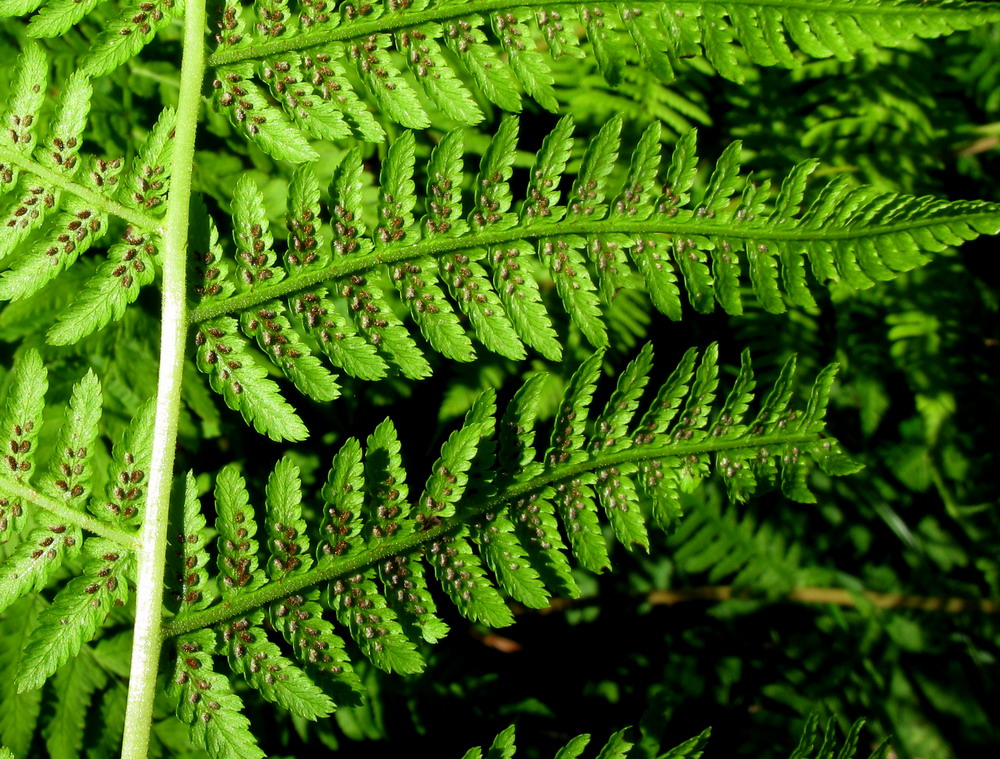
153 540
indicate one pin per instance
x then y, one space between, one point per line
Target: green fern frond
487 523
61 202
613 229
123 38
305 58
58 498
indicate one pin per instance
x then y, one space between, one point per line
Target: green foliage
442 240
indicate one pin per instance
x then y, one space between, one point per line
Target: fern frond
60 202
58 495
206 702
614 228
133 29
487 522
305 58
77 612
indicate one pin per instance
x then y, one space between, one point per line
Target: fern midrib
70 515
98 200
147 638
403 20
437 246
278 589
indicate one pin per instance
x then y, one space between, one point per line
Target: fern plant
299 199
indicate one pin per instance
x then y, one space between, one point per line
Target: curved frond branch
977 212
478 269
492 492
323 68
94 199
917 19
9 487
348 566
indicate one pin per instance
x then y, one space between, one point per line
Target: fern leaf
528 64
462 577
287 543
397 191
129 471
405 582
284 347
431 69
106 295
234 373
617 490
59 16
20 424
590 187
606 45
254 253
386 502
362 609
543 185
508 561
574 747
392 94
488 520
206 702
130 32
328 73
243 102
306 243
290 86
237 527
617 746
708 241
77 612
575 286
433 313
21 113
444 188
299 619
493 195
517 428
65 238
638 193
732 36
36 557
59 153
147 181
277 679
449 478
468 43
189 556
343 496
211 268
337 336
693 748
